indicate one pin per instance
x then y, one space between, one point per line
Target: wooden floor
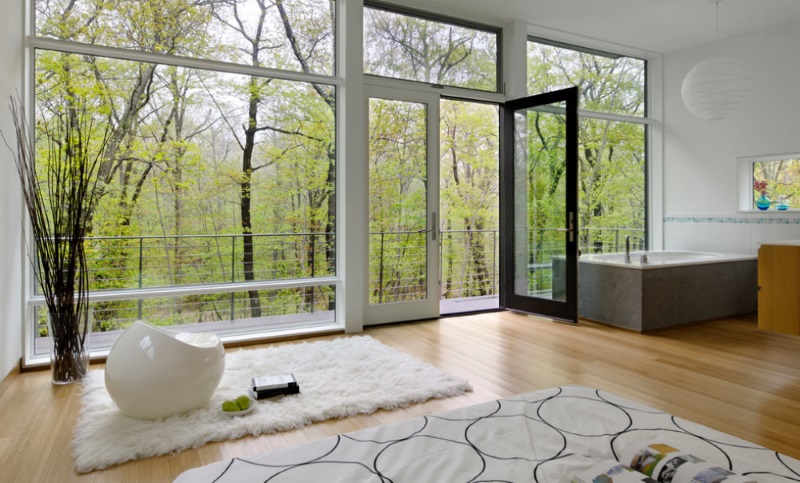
725 374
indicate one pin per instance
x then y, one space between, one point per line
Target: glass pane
206 177
540 203
247 32
398 155
611 186
402 46
608 83
776 184
469 206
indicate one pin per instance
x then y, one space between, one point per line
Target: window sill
229 341
794 212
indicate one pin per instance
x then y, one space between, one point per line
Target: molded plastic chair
153 373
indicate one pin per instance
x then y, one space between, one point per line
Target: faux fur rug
338 378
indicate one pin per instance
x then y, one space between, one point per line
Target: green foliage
469 198
173 183
611 153
407 47
198 160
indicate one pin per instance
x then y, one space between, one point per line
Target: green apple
243 402
230 407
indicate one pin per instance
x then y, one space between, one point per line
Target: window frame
745 183
32 300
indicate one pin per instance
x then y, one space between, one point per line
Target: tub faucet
627 249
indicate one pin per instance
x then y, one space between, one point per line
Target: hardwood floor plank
725 374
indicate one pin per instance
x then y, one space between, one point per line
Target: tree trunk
330 226
245 187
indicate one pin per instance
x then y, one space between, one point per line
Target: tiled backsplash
727 234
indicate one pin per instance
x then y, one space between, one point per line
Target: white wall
11 295
700 167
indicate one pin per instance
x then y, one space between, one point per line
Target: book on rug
271 386
658 463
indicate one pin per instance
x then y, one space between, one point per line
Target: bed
543 436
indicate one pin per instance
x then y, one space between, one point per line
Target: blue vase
783 205
762 203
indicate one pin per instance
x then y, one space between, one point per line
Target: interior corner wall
700 157
11 293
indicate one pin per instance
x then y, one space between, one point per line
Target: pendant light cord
717 26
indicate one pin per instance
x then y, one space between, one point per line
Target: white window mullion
179 61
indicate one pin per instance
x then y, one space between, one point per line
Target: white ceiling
660 26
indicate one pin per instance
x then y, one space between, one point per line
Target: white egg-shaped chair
153 373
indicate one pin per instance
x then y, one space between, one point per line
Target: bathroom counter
788 243
779 287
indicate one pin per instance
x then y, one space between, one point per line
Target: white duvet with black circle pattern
542 436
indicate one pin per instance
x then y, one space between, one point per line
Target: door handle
571 229
571 226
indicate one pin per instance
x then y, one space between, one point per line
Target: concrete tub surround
663 294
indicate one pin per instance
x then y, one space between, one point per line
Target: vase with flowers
762 202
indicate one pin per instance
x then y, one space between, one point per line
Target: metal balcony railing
468 261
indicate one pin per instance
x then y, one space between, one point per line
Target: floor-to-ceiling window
612 139
220 173
215 127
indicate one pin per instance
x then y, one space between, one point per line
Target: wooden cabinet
779 288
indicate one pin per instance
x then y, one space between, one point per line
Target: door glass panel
540 203
398 154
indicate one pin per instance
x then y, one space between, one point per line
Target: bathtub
673 258
671 288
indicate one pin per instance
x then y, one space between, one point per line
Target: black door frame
566 310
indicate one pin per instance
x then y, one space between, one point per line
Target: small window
775 183
412 47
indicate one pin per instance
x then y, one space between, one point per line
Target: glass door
403 140
538 203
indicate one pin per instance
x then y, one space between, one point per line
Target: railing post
141 257
380 275
616 240
494 262
233 276
312 272
441 264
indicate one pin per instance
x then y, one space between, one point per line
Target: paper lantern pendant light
716 87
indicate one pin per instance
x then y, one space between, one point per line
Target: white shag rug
338 378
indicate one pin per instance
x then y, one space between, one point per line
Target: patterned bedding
543 436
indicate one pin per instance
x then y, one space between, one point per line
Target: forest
211 177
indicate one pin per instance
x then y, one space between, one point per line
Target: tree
611 154
408 47
168 170
398 200
469 196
